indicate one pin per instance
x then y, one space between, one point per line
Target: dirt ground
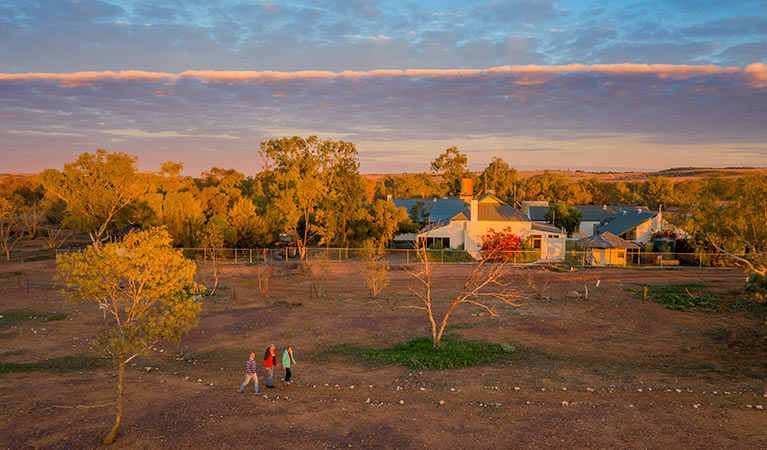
608 372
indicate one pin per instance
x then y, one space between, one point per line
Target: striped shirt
250 367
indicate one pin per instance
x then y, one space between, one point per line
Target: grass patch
684 296
15 316
420 353
56 316
64 364
449 256
39 258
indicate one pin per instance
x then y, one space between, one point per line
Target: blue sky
624 111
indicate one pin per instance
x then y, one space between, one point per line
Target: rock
759 407
367 400
590 389
147 369
442 403
696 406
565 403
199 380
543 389
639 390
402 402
678 391
564 389
574 294
351 387
749 406
421 389
516 388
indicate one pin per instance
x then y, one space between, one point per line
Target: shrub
500 245
756 287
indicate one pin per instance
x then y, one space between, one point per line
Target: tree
564 216
97 189
250 229
213 237
499 177
411 185
482 287
377 275
385 220
300 180
146 289
500 245
657 192
9 232
452 165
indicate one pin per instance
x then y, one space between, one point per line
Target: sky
592 85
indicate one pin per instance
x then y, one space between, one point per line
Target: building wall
585 229
607 257
469 235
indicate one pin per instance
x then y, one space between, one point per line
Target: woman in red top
270 362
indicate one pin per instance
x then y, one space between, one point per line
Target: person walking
270 362
288 362
250 373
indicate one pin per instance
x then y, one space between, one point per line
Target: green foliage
385 220
144 286
70 363
756 287
684 296
449 256
657 192
499 177
452 165
56 316
97 190
420 353
12 316
564 216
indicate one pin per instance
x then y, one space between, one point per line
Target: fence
272 256
407 256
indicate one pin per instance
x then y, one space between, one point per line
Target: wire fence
583 258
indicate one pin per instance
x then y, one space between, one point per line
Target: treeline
311 189
504 181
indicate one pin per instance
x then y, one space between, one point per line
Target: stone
402 402
442 403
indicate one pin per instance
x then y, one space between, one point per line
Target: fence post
442 256
407 256
250 251
235 255
700 259
661 259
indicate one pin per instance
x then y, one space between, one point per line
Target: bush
449 256
421 354
681 297
756 287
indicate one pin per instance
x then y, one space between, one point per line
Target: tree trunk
215 274
119 409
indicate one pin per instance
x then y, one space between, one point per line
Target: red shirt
271 360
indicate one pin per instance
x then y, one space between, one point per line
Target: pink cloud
530 74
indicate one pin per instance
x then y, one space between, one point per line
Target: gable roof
605 239
627 220
492 208
440 210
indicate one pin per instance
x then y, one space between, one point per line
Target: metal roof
491 208
627 220
440 210
547 228
605 239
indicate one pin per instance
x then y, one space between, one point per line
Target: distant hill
676 173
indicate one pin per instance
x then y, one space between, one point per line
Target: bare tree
9 234
264 274
31 219
482 287
56 238
537 280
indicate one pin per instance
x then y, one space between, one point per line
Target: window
621 254
536 240
596 228
553 236
438 242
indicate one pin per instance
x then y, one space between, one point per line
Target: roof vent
624 212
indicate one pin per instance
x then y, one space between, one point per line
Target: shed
606 249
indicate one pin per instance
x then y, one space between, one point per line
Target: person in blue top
288 362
